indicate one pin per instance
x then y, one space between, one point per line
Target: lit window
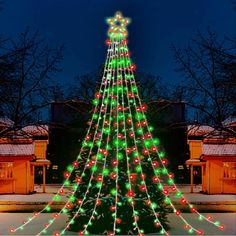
54 167
6 170
229 170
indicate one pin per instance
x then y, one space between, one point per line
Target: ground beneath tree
8 220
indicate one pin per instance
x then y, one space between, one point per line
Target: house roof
7 149
223 149
36 130
199 130
4 121
230 121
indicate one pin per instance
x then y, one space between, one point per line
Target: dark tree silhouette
209 68
27 67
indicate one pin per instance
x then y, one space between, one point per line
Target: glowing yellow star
117 25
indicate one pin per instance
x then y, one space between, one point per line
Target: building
212 160
169 121
66 132
16 171
68 126
219 171
23 160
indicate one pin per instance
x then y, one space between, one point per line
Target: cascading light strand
163 231
169 202
80 205
139 161
53 219
127 162
193 210
47 207
117 150
104 166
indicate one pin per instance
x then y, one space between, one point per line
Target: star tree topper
117 25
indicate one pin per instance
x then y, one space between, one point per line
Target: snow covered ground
8 220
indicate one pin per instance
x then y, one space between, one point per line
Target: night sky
80 25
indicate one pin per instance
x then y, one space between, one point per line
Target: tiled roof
230 121
16 149
219 149
36 130
196 130
6 122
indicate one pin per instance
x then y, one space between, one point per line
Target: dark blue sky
81 26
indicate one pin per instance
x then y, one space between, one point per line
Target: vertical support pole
33 176
202 176
44 179
191 179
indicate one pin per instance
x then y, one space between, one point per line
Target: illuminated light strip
127 161
154 212
77 212
118 73
99 192
173 207
186 222
95 133
117 148
62 187
53 219
173 183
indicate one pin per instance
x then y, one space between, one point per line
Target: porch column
191 178
44 179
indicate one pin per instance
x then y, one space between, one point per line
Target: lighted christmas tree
119 190
119 180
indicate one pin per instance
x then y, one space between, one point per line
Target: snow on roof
199 130
230 121
16 149
219 149
36 130
6 121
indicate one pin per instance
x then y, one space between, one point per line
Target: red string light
193 210
118 220
113 175
200 232
136 160
55 215
99 178
108 42
142 188
145 151
66 174
222 227
165 192
75 163
155 164
78 179
177 213
153 149
132 177
132 203
114 162
183 200
143 176
12 230
155 179
133 67
130 193
97 95
98 202
131 135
